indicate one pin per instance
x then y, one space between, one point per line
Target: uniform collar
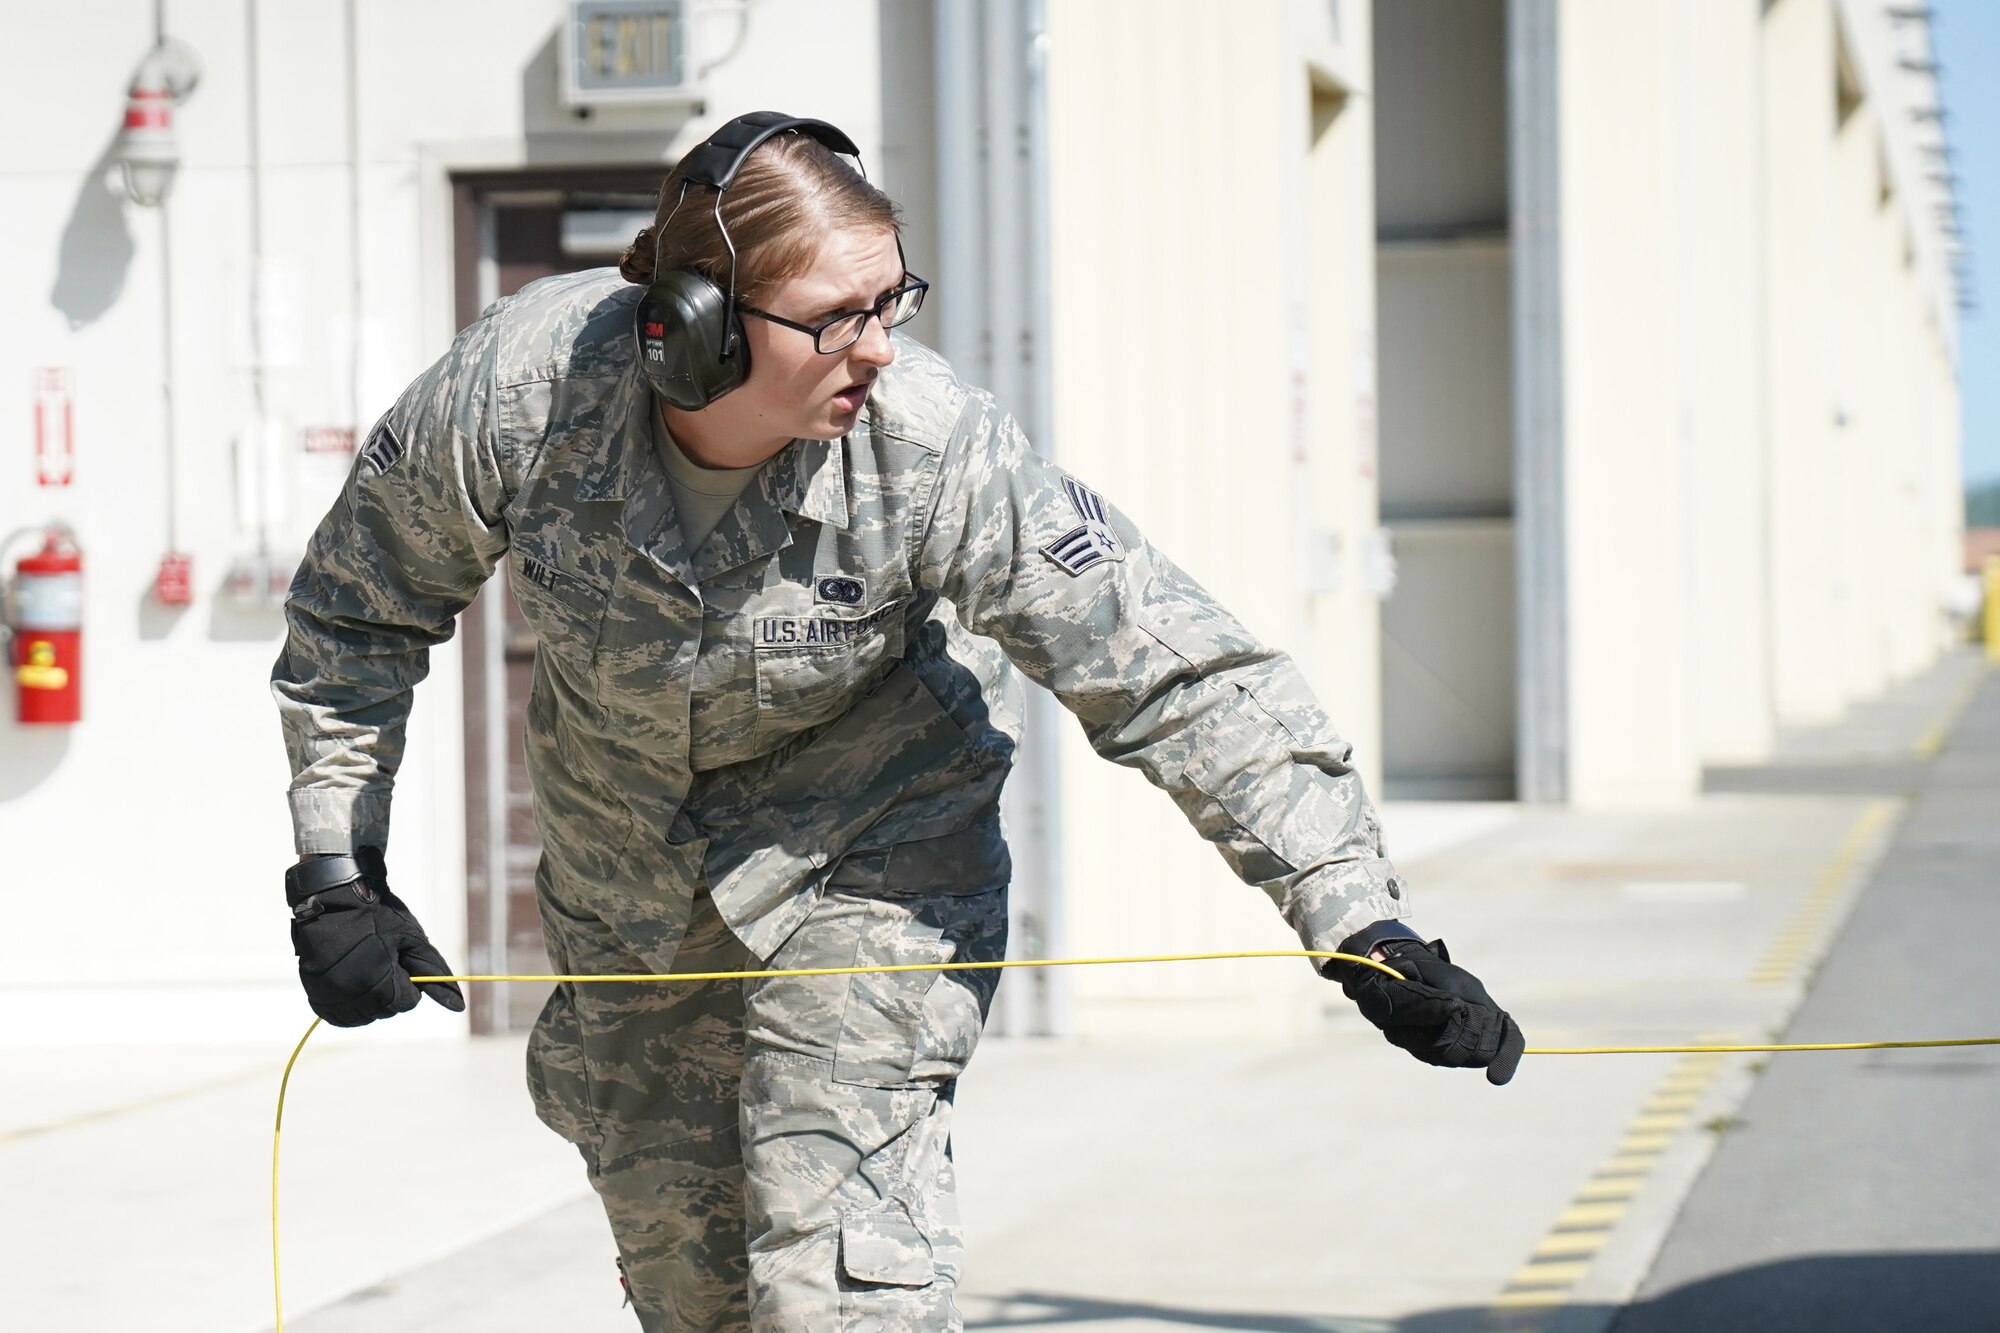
810 479
806 477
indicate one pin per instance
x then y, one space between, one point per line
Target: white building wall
1728 285
1626 451
1945 512
1906 338
1348 565
1182 176
1862 412
163 812
1757 368
1799 253
1717 207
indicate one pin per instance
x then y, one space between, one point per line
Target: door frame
489 708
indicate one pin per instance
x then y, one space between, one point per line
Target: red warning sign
329 440
55 427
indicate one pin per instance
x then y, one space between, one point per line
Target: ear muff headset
691 346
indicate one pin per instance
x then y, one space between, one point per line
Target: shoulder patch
1088 503
1090 543
383 449
1080 548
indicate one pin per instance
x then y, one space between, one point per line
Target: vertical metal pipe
495 710
1002 43
1002 40
993 321
1035 203
962 260
1041 801
498 746
253 126
356 406
167 430
168 434
1540 554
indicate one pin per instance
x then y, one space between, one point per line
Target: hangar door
1447 469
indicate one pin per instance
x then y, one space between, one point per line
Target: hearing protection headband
691 348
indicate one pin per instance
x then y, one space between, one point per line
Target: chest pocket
811 667
565 611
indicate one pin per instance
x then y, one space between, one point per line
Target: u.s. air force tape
818 631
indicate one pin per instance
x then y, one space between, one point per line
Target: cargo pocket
937 900
557 1083
883 1247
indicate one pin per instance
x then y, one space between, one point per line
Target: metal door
512 229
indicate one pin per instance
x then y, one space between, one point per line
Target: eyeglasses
841 331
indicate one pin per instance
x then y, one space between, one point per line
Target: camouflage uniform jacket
795 687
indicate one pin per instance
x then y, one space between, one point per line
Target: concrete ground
1311 1185
1857 1192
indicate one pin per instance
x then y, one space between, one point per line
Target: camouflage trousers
776 1154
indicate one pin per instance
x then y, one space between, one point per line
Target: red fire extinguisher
47 625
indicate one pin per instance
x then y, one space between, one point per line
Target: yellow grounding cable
277 1286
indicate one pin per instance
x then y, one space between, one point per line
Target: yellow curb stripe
1658 1120
1603 1191
1565 1253
1636 1142
1573 1243
1590 1214
1932 741
1675 1101
1567 1250
1780 962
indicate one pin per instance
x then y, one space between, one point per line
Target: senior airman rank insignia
382 451
1093 541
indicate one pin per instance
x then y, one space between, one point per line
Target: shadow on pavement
1938 1292
1037 1309
1898 777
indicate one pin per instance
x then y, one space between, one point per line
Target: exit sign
627 51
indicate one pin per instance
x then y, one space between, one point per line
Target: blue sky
1968 46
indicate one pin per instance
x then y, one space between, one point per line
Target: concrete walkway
1323 1184
1858 1192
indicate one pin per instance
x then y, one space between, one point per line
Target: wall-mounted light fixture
149 151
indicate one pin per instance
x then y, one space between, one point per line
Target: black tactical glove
358 945
1439 1013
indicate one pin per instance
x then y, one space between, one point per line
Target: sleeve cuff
339 819
1345 899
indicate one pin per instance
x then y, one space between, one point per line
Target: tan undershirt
702 495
